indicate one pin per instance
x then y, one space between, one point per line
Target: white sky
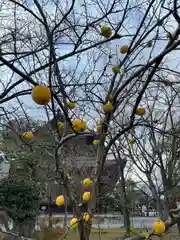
69 65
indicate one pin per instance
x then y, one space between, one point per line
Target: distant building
77 155
4 166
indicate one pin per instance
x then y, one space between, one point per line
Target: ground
109 234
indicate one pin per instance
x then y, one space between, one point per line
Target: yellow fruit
101 121
41 94
60 124
108 107
149 43
27 135
98 128
86 217
86 196
132 141
106 31
87 182
124 49
74 223
71 105
116 69
60 200
159 226
96 142
140 111
79 125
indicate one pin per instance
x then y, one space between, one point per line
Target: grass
109 234
98 234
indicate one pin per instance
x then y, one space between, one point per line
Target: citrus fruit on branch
124 49
87 182
116 69
159 226
27 135
106 31
60 200
71 105
86 217
108 107
140 111
74 223
86 196
79 125
41 94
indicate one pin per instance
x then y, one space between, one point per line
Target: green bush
20 198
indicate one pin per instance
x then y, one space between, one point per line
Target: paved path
116 221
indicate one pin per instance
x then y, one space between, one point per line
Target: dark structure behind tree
77 154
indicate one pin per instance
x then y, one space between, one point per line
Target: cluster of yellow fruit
86 197
78 125
139 112
41 95
99 129
107 32
159 227
74 221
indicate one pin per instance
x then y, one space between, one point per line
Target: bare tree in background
51 42
155 150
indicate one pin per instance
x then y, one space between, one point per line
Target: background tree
20 198
54 36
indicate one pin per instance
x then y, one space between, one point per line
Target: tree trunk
126 214
24 229
127 222
50 212
84 230
165 188
155 195
166 207
173 205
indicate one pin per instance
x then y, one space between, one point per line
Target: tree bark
166 207
84 230
24 229
155 195
126 214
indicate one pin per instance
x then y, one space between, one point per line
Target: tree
20 198
31 51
